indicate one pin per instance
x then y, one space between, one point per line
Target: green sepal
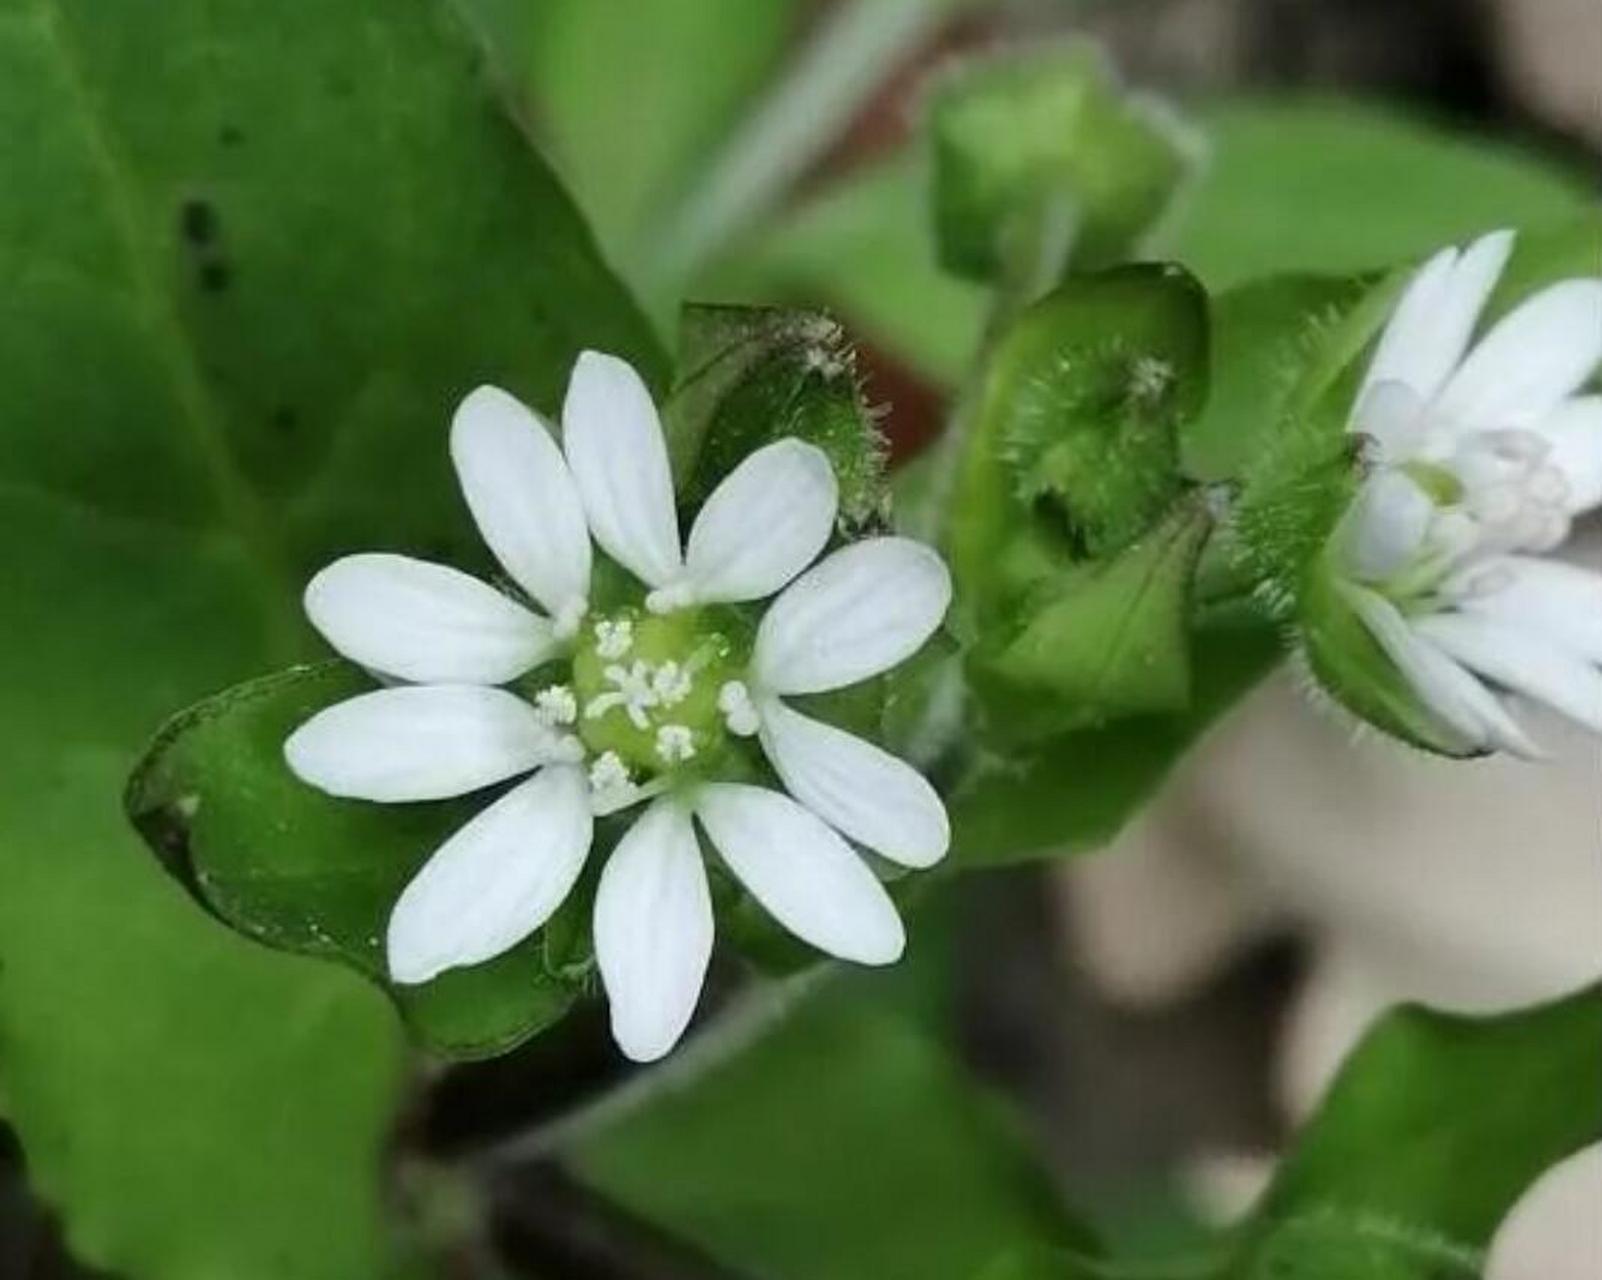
1074 450
1048 138
753 375
1106 639
306 872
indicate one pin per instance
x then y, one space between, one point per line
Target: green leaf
303 871
753 375
1434 1128
253 256
1074 452
1341 187
1112 639
1022 144
845 1145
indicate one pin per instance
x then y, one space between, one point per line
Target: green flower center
647 688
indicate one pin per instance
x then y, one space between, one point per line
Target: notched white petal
1562 602
618 456
496 880
857 613
424 622
859 789
1532 361
1574 432
522 497
804 875
1462 704
1430 329
767 521
1523 660
653 931
421 742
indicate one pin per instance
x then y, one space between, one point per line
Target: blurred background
1151 1021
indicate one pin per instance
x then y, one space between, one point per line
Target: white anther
672 683
614 639
566 620
556 705
609 773
675 595
675 743
739 712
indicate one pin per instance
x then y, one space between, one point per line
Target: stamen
556 705
631 690
739 712
675 595
672 683
614 639
565 621
675 743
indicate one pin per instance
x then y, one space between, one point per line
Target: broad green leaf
844 1145
282 862
1049 140
1074 451
862 248
254 254
1434 1128
1341 186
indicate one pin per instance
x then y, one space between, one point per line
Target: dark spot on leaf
230 135
198 219
285 419
215 276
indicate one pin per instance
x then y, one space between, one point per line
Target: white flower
1483 458
653 697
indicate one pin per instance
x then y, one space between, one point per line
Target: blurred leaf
844 1145
1052 138
753 375
1434 1128
630 96
862 247
303 871
1310 185
253 255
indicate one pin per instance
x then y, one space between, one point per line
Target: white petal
615 447
420 742
1392 415
1521 659
1385 527
1562 602
1530 362
767 521
864 609
496 880
424 622
1554 1232
522 497
807 878
1462 703
1431 326
1574 430
857 788
653 931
